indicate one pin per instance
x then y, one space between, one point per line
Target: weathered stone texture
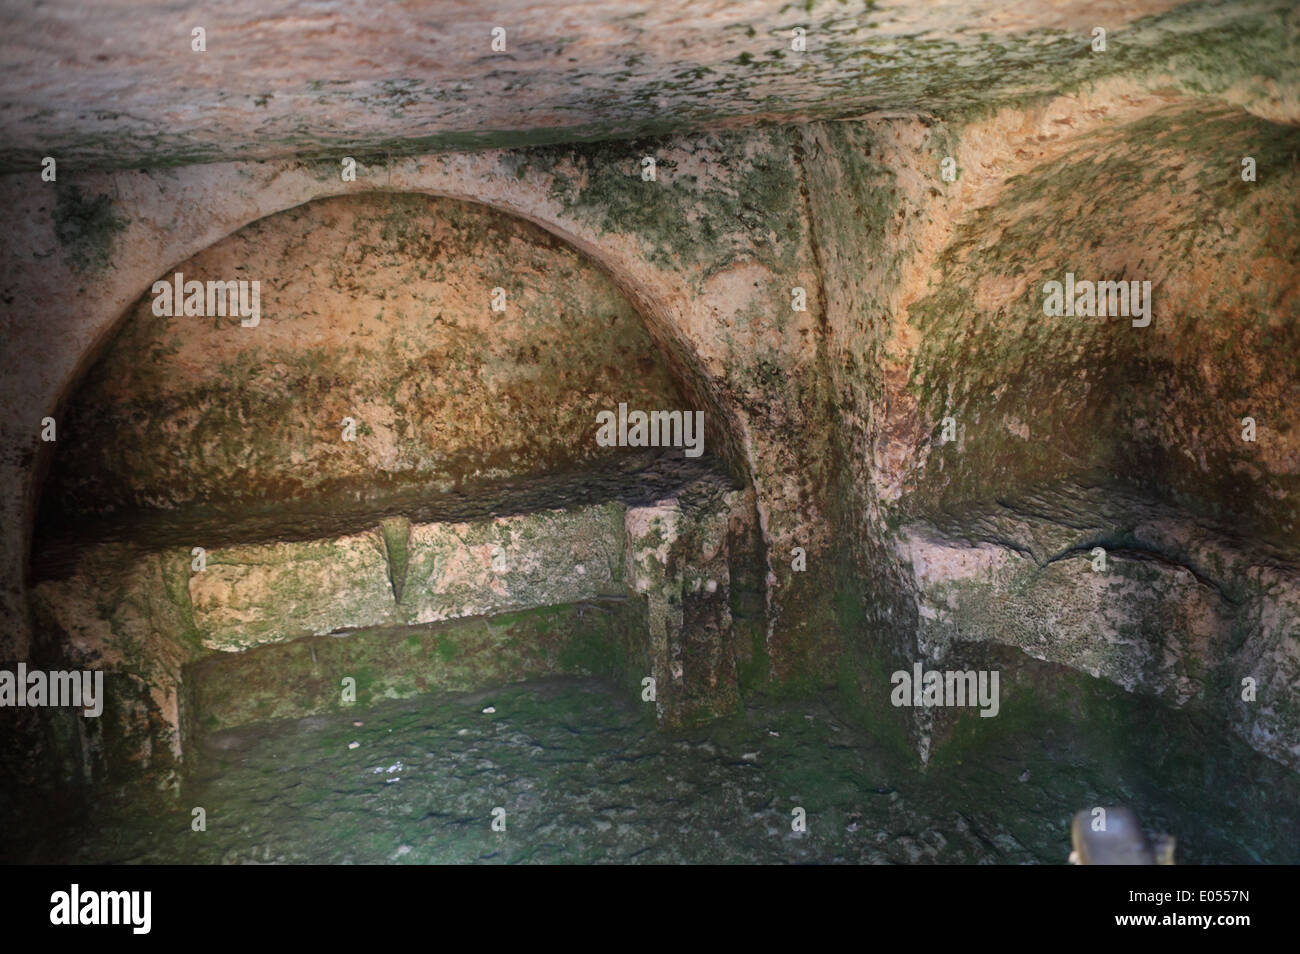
923 302
1181 611
340 78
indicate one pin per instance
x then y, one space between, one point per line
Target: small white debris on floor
489 710
354 745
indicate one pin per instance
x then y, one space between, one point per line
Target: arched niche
405 361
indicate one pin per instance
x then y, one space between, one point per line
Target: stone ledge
1184 611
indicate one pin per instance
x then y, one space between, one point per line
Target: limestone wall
375 308
828 298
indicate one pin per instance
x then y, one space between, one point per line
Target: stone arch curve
152 240
126 285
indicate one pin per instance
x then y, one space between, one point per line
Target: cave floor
583 776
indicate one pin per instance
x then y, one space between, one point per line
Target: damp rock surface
1124 587
583 776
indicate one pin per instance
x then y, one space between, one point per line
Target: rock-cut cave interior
650 432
